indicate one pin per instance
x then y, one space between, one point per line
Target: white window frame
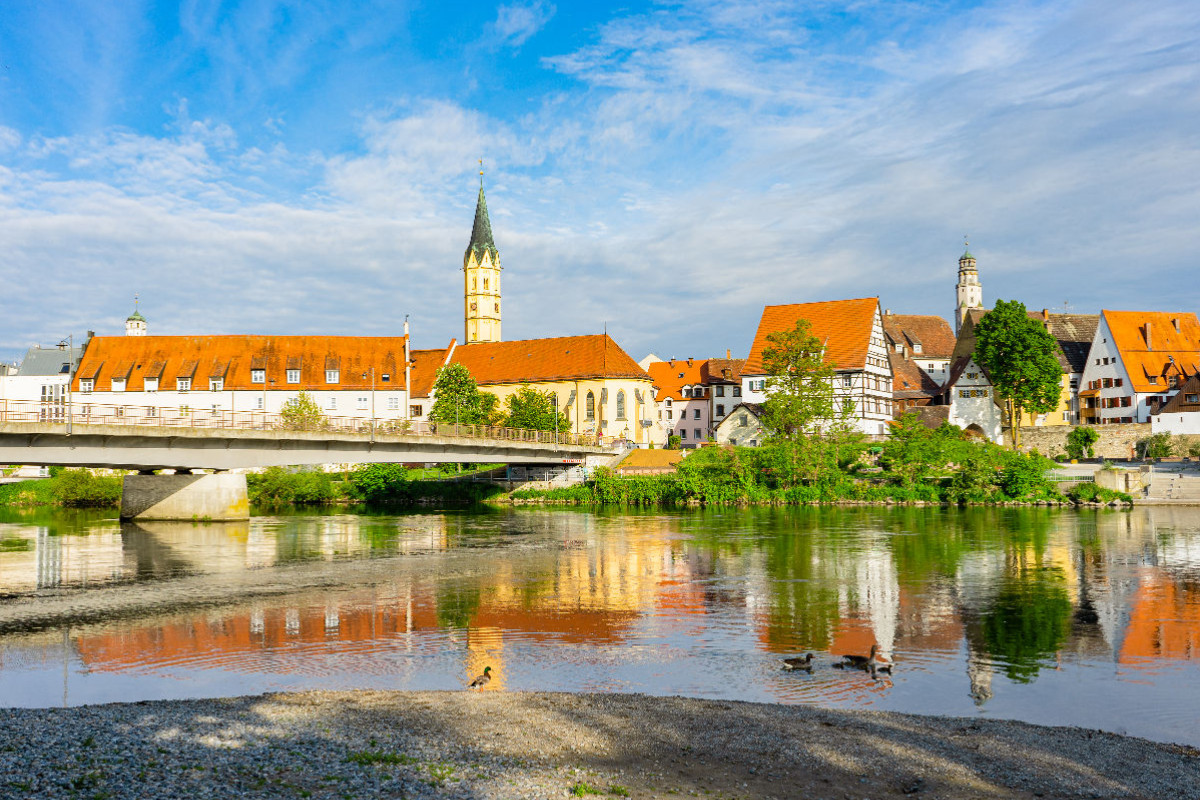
258 376
85 387
216 384
118 384
151 384
293 376
393 404
183 384
333 376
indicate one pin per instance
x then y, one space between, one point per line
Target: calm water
1054 617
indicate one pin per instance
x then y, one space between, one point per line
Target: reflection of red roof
844 326
1164 622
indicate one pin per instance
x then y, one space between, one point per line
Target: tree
534 410
799 384
1021 360
302 413
914 452
457 399
1080 441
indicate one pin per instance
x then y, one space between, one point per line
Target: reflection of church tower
979 671
135 323
968 292
481 278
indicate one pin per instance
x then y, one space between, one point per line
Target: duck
482 680
870 662
803 663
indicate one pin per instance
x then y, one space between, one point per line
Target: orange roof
932 333
843 325
1170 345
671 376
557 359
233 357
426 363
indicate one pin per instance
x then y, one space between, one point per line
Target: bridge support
185 497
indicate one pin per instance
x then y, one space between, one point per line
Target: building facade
481 279
968 292
854 344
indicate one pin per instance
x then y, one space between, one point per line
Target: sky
658 170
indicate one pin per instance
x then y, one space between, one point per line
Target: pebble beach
493 744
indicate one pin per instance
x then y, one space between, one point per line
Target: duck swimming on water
803 663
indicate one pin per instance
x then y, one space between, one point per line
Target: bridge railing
219 419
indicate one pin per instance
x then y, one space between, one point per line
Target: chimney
728 354
1146 335
1175 322
887 312
689 361
1046 314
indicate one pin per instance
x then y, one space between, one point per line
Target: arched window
474 282
591 406
621 405
485 281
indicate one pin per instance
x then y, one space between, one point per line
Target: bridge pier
185 497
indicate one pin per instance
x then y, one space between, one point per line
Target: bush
1091 493
79 488
1194 449
276 486
1080 441
380 483
1158 445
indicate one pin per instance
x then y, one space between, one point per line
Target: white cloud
516 22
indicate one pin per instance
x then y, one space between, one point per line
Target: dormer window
258 376
86 386
216 384
151 384
916 348
332 376
293 376
1153 379
385 377
183 384
118 384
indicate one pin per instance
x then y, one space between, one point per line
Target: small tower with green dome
968 291
135 323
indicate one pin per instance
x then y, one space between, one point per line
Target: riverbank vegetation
373 484
69 488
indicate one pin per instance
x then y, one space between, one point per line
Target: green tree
302 413
1080 441
457 398
378 483
914 452
534 410
1021 360
799 383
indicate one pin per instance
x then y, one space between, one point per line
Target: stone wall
1116 441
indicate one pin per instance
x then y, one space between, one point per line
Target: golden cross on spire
135 301
481 173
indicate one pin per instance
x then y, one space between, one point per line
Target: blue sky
663 168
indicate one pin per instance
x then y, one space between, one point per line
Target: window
1107 383
1153 379
720 410
151 411
151 384
1192 398
683 433
696 413
183 384
258 403
720 391
744 421
621 405
293 376
1173 381
86 386
258 376
669 413
485 283
385 377
847 381
737 391
1119 382
332 404
216 384
916 348
415 411
687 391
332 376
668 402
696 434
118 384
591 406
393 404
363 402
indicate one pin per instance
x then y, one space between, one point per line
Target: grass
582 789
368 758
15 544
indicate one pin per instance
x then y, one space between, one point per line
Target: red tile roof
843 325
932 333
671 376
557 359
1168 351
232 358
426 363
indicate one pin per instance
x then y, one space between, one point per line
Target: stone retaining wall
1116 441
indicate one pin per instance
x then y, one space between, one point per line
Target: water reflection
1028 613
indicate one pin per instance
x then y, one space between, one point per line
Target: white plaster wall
979 407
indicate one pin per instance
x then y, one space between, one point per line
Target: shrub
1091 493
1194 449
277 486
380 483
1080 441
79 488
1158 445
302 413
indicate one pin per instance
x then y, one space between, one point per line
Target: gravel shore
523 745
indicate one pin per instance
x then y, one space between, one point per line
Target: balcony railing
207 419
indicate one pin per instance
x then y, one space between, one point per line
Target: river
1059 617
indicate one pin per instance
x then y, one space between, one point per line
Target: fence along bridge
147 438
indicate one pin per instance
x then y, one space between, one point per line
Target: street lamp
364 375
70 345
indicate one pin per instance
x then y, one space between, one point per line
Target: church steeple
481 277
968 292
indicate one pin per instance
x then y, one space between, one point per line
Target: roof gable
932 332
671 376
555 359
844 326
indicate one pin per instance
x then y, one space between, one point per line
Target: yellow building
599 387
1074 334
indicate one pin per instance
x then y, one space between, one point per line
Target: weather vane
481 173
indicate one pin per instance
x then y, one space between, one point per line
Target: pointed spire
481 233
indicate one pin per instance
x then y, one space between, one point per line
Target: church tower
481 278
135 323
968 292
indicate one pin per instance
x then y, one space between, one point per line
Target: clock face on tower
474 306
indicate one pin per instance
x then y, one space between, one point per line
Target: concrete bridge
35 434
